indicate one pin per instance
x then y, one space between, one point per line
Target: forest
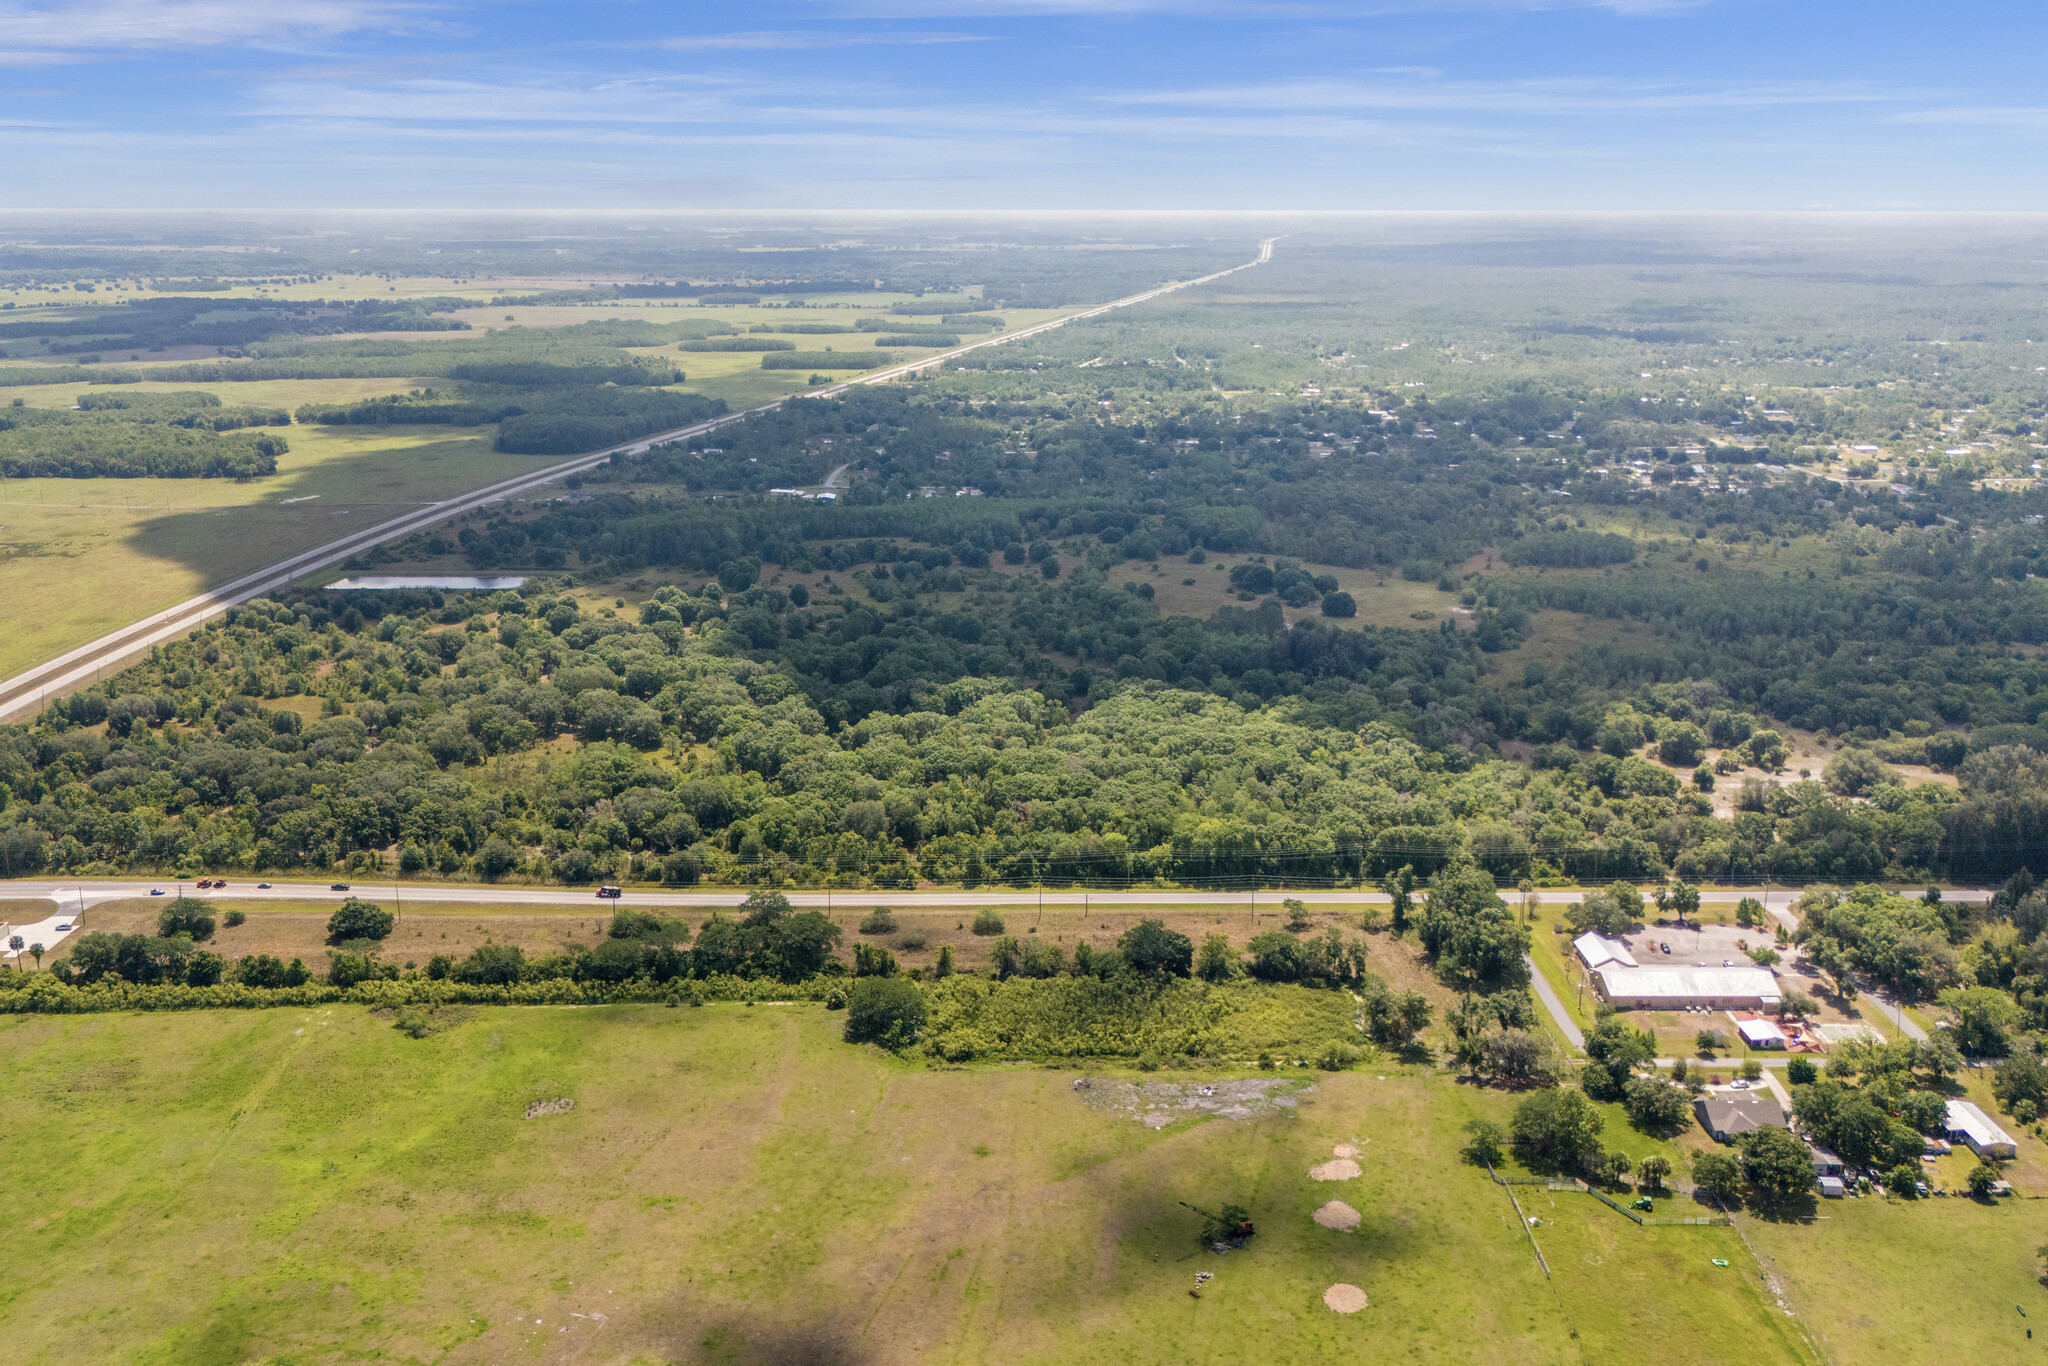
175 435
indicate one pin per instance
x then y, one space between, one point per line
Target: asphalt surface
27 692
68 891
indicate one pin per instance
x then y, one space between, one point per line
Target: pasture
734 1184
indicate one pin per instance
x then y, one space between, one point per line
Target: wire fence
1572 1183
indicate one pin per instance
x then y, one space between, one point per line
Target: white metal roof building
1761 1034
1968 1124
1597 951
1675 988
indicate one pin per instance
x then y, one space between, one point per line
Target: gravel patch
1156 1104
549 1107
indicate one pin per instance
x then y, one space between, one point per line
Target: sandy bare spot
1338 1215
1345 1150
1338 1169
549 1107
1345 1299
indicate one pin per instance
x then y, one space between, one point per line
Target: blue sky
1023 104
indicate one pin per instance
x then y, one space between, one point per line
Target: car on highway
156 891
262 886
337 886
609 893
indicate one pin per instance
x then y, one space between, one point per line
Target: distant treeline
824 360
919 339
577 420
738 344
1570 549
129 451
132 435
940 303
155 324
560 421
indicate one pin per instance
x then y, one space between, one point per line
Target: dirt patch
1156 1104
1337 1169
1344 1150
549 1107
1345 1299
1339 1216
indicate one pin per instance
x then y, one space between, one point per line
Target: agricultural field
736 1185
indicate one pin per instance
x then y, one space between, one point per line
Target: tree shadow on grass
745 1341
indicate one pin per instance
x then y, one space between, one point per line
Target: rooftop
1674 983
1738 1112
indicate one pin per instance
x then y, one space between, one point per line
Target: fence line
1573 1183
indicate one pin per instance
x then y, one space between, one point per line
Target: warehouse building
1675 988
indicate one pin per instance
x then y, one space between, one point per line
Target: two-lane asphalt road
27 692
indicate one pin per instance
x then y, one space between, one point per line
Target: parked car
609 893
1665 947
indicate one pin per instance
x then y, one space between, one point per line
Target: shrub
1752 1070
884 1010
881 920
1982 1178
345 970
1337 1056
987 922
358 919
234 918
1654 1171
872 960
912 942
1903 1181
1801 1072
1340 605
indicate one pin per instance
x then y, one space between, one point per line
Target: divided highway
26 692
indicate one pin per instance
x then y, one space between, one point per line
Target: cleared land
735 1185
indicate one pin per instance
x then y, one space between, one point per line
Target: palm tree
36 952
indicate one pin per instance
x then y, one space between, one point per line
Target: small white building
1598 951
1761 1034
1970 1125
1832 1188
1674 988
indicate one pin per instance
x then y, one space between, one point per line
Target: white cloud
1550 96
1242 9
37 34
792 40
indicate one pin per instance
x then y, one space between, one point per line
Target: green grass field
80 557
735 1185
